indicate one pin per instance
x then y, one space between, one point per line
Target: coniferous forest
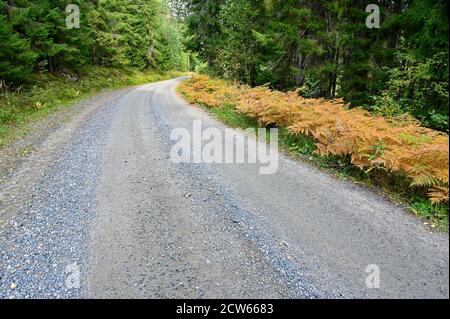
34 36
325 49
241 149
389 58
322 48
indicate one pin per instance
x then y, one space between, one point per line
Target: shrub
397 145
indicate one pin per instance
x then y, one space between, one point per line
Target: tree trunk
209 60
300 78
334 74
50 64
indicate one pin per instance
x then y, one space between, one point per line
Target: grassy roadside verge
51 92
394 186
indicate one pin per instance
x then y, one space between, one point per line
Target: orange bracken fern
396 145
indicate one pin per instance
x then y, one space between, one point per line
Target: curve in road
100 200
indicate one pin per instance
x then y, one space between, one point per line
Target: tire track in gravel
100 191
158 234
47 203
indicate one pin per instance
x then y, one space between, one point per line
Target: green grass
48 93
395 186
228 115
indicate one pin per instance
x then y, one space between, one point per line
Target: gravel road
99 203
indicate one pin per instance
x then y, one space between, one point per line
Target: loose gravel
50 229
98 210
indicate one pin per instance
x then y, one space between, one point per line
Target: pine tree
16 57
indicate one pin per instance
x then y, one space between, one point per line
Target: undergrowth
394 184
48 92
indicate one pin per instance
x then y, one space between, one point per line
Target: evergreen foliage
324 49
113 33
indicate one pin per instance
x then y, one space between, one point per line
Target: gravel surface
176 231
100 196
50 227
